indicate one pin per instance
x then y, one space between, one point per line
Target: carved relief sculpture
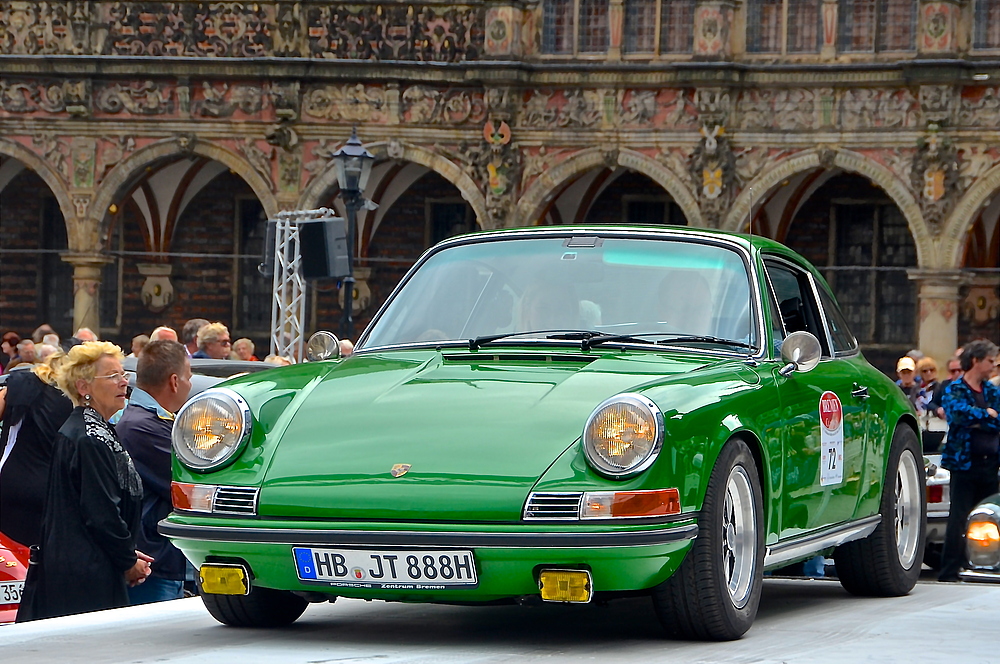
425 105
980 107
935 177
349 103
713 170
137 99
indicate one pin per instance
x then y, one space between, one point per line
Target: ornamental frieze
145 98
424 105
396 32
873 108
796 109
980 107
21 97
221 100
216 29
347 103
574 109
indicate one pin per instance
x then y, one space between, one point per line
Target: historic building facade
144 144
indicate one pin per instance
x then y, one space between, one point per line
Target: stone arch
851 162
49 176
551 181
127 169
961 219
416 154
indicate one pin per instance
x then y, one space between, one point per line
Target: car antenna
752 277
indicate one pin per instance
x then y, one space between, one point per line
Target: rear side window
796 303
843 340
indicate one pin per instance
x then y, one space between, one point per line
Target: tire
263 607
887 562
715 593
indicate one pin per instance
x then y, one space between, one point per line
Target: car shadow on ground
534 626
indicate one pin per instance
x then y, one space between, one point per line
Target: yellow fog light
224 580
982 543
565 585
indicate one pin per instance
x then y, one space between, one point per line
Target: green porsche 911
560 414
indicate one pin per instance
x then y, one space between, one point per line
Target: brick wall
23 203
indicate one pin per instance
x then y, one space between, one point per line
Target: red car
13 568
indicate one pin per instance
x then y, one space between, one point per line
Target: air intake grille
235 500
553 506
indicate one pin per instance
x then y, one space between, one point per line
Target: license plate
389 569
10 592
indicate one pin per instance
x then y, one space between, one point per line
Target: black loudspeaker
323 247
267 267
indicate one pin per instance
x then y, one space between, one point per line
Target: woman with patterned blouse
87 557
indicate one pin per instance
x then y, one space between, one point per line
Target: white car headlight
211 428
623 435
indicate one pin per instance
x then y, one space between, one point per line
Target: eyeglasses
928 370
956 370
224 342
116 377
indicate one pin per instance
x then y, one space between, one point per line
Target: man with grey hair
189 334
163 333
86 334
26 354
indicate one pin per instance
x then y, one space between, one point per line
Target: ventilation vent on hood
518 357
553 506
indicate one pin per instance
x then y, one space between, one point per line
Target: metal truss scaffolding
288 302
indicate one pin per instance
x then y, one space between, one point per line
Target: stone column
87 289
713 22
828 42
937 331
937 27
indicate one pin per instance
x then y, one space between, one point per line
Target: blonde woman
32 409
87 559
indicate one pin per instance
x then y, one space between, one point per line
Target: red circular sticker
830 411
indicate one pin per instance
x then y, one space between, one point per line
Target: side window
796 304
843 340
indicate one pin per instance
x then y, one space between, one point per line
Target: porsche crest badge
399 469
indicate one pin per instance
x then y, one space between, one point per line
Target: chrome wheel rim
739 536
906 516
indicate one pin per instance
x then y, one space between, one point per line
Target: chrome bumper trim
800 547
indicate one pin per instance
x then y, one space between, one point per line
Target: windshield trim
741 246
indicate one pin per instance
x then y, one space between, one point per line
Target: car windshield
533 288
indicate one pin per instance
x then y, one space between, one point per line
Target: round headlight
210 429
322 346
623 435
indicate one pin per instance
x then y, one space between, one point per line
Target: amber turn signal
630 504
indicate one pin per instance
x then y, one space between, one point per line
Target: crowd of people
201 339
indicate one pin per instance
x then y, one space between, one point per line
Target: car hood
476 431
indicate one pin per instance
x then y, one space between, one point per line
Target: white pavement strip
800 622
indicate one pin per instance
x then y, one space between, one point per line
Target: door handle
859 392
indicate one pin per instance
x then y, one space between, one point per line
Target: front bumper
981 575
508 558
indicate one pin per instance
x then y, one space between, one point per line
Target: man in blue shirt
163 381
972 451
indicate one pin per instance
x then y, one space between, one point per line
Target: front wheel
263 607
887 562
715 593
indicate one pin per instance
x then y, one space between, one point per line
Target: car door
823 414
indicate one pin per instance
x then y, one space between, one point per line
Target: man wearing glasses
214 342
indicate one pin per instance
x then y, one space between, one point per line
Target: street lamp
354 164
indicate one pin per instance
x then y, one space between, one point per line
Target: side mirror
801 352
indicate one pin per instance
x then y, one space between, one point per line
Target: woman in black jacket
32 409
87 557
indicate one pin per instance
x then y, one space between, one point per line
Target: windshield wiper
707 339
474 344
590 342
